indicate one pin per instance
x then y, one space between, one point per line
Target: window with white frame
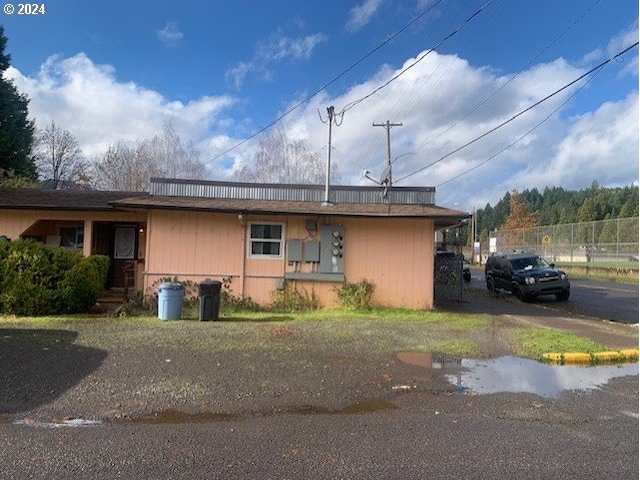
265 240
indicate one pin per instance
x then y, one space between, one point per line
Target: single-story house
259 235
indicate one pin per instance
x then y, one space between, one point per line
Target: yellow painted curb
577 358
553 357
606 357
625 355
630 354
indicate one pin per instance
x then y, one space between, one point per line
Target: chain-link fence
606 243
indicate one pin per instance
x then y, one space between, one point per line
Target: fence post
617 242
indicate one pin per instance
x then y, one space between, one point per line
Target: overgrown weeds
290 300
355 296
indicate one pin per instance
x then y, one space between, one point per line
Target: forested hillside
557 205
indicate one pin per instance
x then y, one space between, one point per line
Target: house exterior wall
396 254
14 223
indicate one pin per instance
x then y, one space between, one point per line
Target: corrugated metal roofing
292 192
261 199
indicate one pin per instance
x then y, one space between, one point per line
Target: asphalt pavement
605 312
424 428
450 436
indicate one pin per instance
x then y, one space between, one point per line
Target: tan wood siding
14 222
395 254
193 246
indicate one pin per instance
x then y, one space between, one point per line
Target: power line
520 113
331 82
513 77
387 126
526 134
350 105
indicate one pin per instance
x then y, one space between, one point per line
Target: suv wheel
563 296
520 295
491 286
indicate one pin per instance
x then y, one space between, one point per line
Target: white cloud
276 49
433 100
600 145
441 91
361 15
237 74
170 35
87 100
279 47
623 41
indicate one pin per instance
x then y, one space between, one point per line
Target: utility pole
388 126
331 118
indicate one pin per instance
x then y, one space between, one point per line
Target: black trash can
209 295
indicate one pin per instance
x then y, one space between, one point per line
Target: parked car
444 260
466 270
526 275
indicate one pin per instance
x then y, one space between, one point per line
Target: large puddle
518 375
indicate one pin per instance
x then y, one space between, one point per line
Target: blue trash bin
170 301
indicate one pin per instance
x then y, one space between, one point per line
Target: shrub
83 283
354 296
230 302
289 299
36 279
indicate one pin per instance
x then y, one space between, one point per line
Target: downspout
243 220
147 253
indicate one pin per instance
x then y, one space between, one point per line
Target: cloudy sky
221 71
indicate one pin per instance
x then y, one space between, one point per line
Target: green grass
610 278
535 341
360 333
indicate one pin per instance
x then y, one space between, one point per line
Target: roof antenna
384 179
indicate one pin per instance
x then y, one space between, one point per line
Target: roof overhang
443 217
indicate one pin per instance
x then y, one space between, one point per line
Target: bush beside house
36 279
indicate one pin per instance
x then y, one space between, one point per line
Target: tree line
51 156
555 205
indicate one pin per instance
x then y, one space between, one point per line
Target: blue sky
109 71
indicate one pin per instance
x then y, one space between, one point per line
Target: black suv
526 275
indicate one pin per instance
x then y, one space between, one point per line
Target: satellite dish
384 178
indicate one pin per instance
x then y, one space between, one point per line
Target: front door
125 247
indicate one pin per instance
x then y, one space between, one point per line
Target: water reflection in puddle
518 375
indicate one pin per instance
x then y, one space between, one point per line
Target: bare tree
170 156
121 169
58 157
281 159
129 168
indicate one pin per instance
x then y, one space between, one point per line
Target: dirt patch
111 369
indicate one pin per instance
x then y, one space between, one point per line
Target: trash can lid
170 286
208 281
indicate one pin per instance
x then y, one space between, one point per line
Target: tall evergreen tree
16 130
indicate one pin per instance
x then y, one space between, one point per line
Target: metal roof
338 194
245 198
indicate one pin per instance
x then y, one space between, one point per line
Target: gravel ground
357 398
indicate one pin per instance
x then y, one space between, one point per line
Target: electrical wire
513 77
350 105
323 87
527 133
619 54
